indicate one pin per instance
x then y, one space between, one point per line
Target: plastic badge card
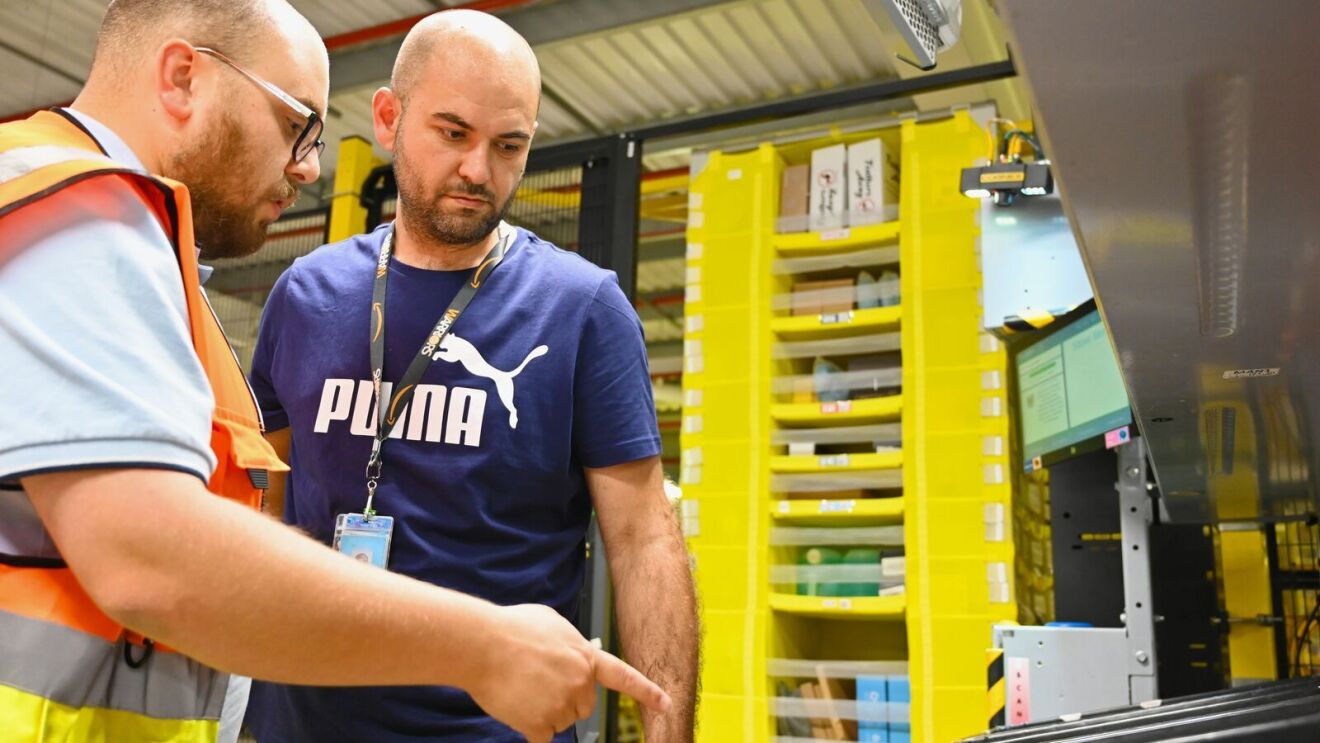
364 539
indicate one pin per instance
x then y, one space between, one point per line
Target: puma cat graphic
454 349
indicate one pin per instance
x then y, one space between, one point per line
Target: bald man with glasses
135 571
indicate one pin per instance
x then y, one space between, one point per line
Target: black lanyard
387 414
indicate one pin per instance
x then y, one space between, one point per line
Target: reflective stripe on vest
74 669
63 676
20 161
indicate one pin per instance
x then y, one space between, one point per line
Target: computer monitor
1070 393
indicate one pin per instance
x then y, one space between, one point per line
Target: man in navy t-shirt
535 406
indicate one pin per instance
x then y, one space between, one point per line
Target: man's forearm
219 572
655 603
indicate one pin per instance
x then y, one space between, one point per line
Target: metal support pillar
1135 516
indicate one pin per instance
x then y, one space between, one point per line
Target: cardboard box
872 183
831 690
879 363
821 297
795 191
829 178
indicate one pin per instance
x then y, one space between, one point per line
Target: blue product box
900 693
872 693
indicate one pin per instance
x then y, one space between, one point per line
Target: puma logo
456 350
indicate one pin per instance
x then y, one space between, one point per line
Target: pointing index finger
619 676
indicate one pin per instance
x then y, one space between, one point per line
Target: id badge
365 540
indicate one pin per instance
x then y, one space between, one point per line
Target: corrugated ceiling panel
666 273
62 35
28 86
861 31
553 121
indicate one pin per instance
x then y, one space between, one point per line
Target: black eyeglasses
310 138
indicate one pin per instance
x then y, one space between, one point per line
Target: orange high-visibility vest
95 680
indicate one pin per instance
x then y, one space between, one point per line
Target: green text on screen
1070 388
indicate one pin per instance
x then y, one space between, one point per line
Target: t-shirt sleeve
265 355
96 356
613 411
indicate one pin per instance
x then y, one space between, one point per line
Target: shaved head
466 42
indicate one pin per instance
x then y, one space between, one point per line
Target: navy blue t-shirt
544 374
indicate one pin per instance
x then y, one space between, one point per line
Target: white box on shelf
893 567
872 183
829 178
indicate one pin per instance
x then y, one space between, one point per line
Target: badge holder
364 538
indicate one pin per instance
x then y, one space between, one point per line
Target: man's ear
176 79
386 109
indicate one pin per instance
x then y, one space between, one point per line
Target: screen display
1069 388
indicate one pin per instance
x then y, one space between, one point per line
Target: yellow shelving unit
857 607
833 241
837 462
954 505
837 324
843 413
838 512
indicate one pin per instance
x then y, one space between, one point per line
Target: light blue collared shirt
95 347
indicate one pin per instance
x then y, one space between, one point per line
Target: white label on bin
991 407
693 365
694 251
830 408
694 200
842 233
693 293
692 456
994 474
692 347
692 399
837 506
990 380
696 323
783 506
836 318
691 475
693 274
836 460
696 219
691 424
845 604
993 446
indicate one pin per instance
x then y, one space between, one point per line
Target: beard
421 209
216 168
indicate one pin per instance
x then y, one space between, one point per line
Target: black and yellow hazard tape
996 695
1030 321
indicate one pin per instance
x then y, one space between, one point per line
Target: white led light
976 193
